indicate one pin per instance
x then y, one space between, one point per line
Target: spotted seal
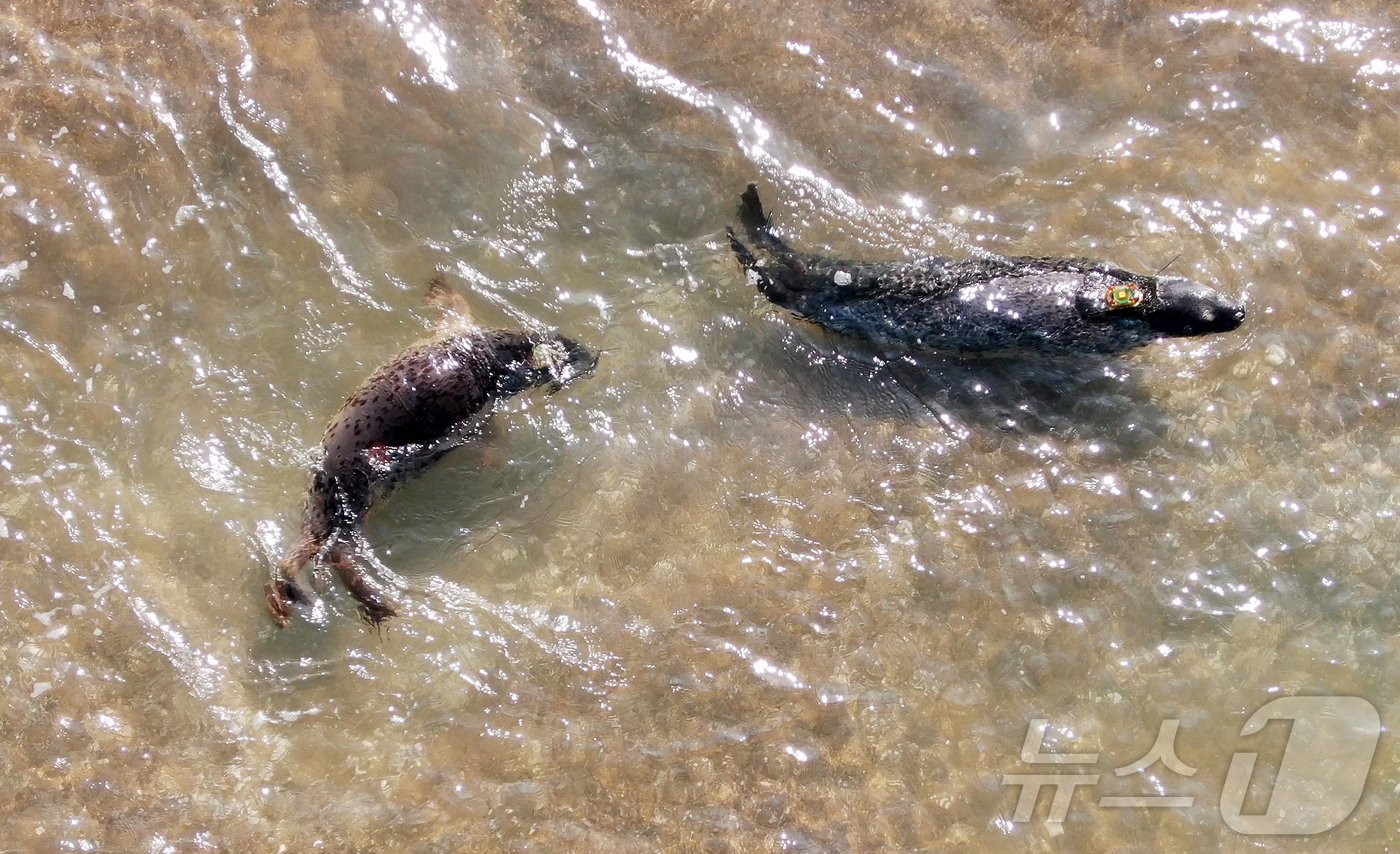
402 419
1066 306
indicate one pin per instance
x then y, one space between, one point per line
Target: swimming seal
405 417
1066 306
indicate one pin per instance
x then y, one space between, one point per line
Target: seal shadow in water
1091 398
498 484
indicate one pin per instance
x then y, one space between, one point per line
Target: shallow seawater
739 590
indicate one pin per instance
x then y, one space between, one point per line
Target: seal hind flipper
785 275
757 223
746 258
286 586
373 606
282 593
751 212
453 307
758 274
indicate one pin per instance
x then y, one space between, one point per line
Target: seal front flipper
454 314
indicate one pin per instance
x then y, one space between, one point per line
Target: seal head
534 359
557 361
1188 308
1156 307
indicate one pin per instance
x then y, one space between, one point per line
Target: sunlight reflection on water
741 587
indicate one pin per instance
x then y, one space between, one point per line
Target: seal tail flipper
756 225
373 606
755 271
453 308
756 221
776 280
784 277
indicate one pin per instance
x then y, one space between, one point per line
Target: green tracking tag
1124 296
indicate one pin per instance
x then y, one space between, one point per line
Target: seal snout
560 360
579 361
1235 316
1225 316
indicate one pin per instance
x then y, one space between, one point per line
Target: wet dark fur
977 305
400 421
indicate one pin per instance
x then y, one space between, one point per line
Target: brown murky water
738 591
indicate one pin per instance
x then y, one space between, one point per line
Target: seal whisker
1164 267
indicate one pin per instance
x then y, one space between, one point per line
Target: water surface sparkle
741 587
